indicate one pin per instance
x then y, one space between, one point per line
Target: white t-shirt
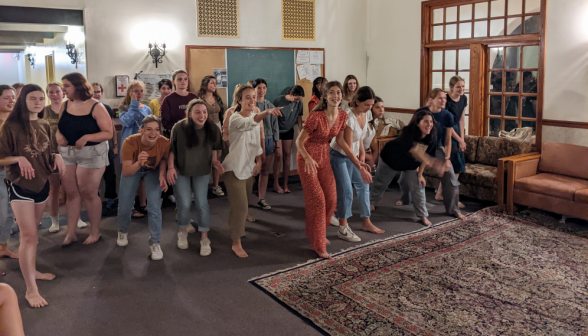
245 140
358 134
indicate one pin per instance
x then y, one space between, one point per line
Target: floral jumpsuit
320 193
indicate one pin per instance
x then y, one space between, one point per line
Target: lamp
156 52
31 59
72 52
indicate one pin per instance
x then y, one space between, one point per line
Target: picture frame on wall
121 85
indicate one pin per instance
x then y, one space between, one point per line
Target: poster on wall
122 84
151 85
221 78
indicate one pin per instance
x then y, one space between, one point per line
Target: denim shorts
270 146
88 157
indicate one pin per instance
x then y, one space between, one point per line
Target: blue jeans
184 187
5 226
348 176
126 199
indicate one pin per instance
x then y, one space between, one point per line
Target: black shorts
18 194
289 135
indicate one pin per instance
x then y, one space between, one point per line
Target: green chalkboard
277 67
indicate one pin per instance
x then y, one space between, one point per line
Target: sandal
137 214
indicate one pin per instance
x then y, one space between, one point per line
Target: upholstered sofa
555 180
485 156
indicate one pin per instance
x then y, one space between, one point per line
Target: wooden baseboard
399 110
565 123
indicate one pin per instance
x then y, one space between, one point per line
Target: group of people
173 146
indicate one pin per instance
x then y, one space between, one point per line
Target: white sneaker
346 233
82 224
156 252
334 221
190 228
54 224
172 199
205 249
182 240
122 239
218 191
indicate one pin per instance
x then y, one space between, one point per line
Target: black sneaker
263 204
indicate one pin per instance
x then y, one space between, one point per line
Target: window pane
530 124
532 6
481 29
509 125
438 60
437 33
496 58
511 107
448 76
515 7
497 8
530 81
464 59
451 14
466 77
451 32
465 30
437 80
496 81
465 12
514 26
529 107
494 127
512 81
532 24
481 10
513 57
497 27
531 57
438 15
495 105
450 59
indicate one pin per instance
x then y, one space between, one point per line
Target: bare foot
426 221
239 251
459 215
439 197
278 189
69 240
36 300
460 205
250 219
44 276
286 190
370 227
5 252
323 254
92 239
399 203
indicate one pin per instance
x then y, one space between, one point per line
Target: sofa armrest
518 167
501 178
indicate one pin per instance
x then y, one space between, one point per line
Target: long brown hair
20 115
346 87
204 87
84 90
322 104
190 127
373 121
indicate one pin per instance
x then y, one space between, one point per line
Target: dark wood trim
485 40
399 110
541 77
434 4
565 123
478 57
425 54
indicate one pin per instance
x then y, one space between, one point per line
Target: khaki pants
238 191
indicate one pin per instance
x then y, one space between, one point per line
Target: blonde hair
238 95
127 101
234 102
54 83
454 81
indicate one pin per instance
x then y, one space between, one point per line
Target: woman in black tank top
83 131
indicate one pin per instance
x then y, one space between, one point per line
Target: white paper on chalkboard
303 71
151 85
316 57
302 57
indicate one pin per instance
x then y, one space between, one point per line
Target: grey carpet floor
103 289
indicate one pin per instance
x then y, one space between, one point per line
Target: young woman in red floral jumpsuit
314 166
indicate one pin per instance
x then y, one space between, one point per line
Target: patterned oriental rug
493 274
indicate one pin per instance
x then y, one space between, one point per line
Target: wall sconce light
72 52
31 59
156 52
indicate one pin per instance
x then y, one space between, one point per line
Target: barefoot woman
7 101
27 152
83 129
